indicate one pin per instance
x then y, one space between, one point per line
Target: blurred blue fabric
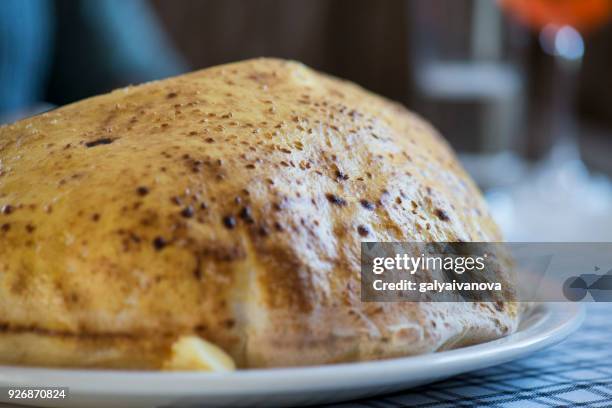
26 28
60 51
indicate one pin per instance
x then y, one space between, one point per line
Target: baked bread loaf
227 205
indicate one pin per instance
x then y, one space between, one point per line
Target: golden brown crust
231 203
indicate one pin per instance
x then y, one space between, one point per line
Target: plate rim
556 322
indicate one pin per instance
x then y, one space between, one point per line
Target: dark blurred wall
361 40
596 77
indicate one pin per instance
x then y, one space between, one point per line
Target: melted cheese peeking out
194 353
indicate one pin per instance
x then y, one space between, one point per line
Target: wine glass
562 25
559 199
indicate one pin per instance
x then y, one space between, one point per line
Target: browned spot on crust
100 141
441 214
363 230
159 243
335 200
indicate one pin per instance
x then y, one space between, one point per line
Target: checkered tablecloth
576 372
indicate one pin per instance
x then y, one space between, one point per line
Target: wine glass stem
564 127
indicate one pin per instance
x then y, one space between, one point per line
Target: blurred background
522 89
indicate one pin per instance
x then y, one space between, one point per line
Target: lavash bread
229 204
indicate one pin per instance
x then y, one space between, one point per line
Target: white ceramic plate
548 324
